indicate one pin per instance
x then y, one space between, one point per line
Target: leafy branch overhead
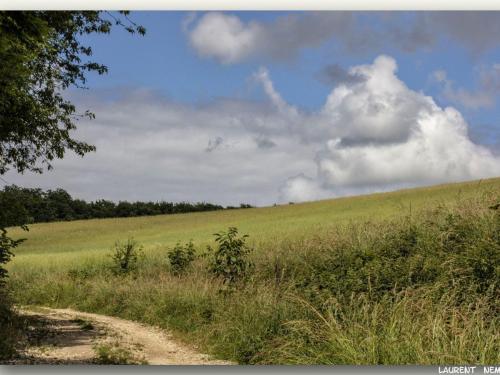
42 55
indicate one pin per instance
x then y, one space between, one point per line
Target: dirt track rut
65 336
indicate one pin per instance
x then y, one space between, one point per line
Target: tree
41 56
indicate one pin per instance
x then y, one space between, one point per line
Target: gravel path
65 336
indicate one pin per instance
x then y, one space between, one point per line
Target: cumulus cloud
225 37
382 135
378 109
370 135
228 39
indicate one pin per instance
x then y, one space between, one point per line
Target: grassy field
404 277
88 239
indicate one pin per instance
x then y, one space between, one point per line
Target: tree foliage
34 205
41 56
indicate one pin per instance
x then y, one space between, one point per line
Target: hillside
355 280
92 236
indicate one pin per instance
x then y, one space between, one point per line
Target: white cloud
301 188
225 37
381 135
150 148
262 76
372 134
380 108
228 39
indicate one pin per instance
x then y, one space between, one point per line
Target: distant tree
80 209
37 205
124 209
60 202
103 208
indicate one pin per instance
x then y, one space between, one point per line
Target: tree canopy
42 56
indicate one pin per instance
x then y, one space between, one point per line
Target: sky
275 107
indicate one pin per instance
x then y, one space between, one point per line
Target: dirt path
65 336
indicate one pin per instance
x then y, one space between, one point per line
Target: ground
65 336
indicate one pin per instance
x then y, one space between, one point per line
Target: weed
125 256
180 257
230 258
113 354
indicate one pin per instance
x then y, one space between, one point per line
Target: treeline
39 206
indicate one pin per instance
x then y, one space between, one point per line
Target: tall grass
414 289
400 329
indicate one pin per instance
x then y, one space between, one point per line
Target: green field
66 242
330 283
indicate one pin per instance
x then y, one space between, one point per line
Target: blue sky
191 65
164 61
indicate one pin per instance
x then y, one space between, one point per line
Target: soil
65 336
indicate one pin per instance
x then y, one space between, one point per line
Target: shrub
125 256
180 257
9 327
230 258
6 246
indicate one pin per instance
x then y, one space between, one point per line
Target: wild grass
113 354
352 281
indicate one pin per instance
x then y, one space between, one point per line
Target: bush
6 246
229 259
181 257
125 256
9 327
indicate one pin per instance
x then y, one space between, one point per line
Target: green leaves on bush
181 257
6 246
125 256
230 258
